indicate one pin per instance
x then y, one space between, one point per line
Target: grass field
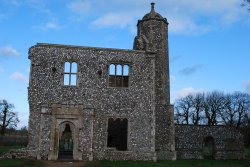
20 163
178 163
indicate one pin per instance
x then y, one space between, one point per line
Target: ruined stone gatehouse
101 103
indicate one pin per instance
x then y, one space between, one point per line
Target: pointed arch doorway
66 141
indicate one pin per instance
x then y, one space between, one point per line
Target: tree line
213 108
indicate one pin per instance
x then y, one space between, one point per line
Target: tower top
152 7
152 15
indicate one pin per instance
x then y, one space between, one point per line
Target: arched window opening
70 74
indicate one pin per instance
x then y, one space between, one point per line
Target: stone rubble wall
22 153
92 91
189 141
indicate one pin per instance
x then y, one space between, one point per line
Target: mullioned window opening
118 75
70 74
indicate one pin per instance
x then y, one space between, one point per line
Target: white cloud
18 76
39 6
80 6
185 17
198 17
120 20
48 26
186 91
9 51
51 25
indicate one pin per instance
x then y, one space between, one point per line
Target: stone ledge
86 47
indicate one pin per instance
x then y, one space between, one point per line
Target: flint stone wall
92 92
189 140
19 153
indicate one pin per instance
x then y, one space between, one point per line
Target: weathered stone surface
93 94
228 142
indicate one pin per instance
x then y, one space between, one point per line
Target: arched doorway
66 141
208 147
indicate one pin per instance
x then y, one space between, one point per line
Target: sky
208 40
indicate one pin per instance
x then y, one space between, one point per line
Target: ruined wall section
228 142
92 91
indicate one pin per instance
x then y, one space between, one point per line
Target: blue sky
208 40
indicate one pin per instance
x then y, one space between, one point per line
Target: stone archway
66 140
80 127
208 148
66 132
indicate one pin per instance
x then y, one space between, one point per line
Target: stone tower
152 36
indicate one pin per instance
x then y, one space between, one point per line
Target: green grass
4 149
20 163
178 163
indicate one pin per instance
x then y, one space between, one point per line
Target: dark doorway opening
66 144
208 148
118 133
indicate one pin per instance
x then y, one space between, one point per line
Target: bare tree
228 114
198 108
244 108
236 110
8 118
213 106
183 110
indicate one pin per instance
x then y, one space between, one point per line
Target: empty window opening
70 73
208 148
66 144
117 133
118 75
